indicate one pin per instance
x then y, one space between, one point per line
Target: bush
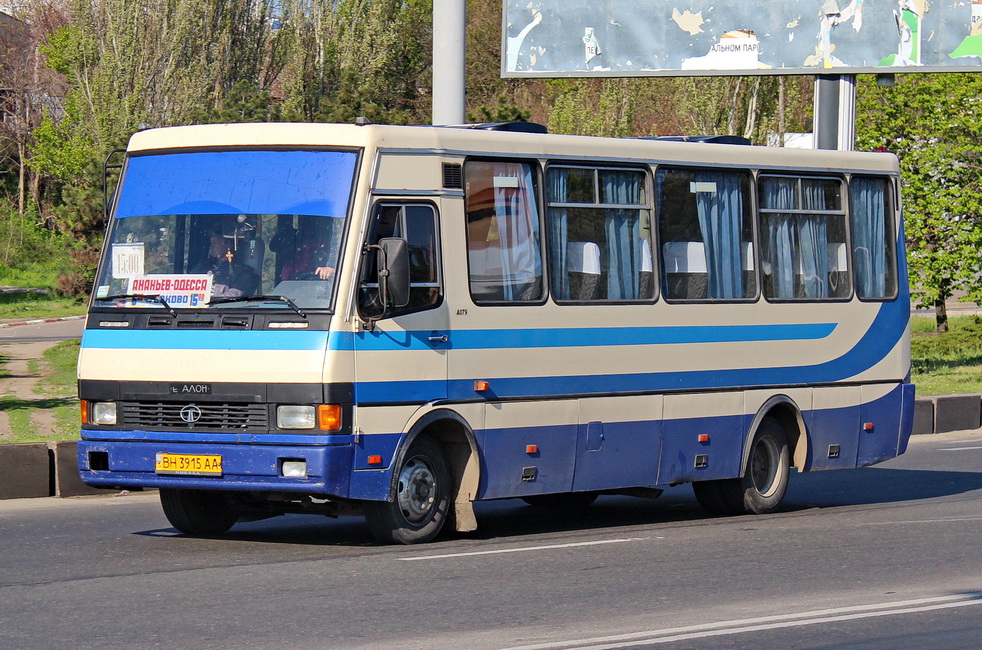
960 346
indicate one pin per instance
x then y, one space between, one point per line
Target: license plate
188 464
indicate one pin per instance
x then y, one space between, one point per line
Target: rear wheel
763 484
766 479
422 498
198 512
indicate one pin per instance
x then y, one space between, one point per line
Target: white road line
960 448
725 628
523 549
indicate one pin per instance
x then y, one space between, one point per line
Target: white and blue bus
400 321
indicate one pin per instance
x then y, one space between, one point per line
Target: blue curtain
721 223
779 194
557 183
814 241
623 234
869 237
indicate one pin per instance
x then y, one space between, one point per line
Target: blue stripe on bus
461 340
380 341
876 343
203 340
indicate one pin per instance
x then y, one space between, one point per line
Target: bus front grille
208 416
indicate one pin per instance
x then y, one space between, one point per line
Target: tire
198 512
422 498
766 478
564 501
763 484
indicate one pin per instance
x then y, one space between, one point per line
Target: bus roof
458 141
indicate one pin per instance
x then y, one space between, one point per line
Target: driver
230 277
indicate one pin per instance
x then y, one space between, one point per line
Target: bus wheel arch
453 434
783 409
775 442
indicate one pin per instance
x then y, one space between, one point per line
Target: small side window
504 250
416 223
873 255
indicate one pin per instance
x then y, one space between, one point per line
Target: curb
38 321
42 469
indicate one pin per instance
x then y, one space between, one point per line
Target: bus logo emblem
190 414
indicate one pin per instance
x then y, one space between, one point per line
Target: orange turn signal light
84 405
480 386
703 437
531 449
868 426
374 460
329 417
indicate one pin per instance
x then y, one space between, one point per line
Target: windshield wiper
149 297
292 305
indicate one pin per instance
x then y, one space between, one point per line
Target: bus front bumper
273 468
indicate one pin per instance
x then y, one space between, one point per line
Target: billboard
620 38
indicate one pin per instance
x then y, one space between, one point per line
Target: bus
398 321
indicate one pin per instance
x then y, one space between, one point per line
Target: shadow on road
513 518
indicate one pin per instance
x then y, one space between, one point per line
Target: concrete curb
38 321
946 413
42 469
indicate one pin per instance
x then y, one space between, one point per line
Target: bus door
402 359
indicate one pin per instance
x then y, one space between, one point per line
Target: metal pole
449 60
835 112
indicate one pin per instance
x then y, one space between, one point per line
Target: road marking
742 626
961 448
523 549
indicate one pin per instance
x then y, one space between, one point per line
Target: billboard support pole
835 112
449 62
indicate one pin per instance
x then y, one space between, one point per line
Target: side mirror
393 272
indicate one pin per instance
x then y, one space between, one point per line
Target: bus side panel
889 433
683 456
529 448
834 420
618 443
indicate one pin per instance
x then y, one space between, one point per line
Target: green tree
934 125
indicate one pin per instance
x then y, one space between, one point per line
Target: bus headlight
296 417
103 413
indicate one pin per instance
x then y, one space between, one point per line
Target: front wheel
198 512
422 498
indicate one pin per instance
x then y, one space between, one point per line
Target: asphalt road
881 557
56 331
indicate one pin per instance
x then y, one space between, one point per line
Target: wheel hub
417 491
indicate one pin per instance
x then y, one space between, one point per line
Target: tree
934 125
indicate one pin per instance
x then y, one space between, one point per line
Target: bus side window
706 234
599 225
873 256
416 223
803 238
504 252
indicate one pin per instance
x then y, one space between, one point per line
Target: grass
30 305
55 392
950 363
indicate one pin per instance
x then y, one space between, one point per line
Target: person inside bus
231 278
310 250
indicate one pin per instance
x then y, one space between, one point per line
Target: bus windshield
223 229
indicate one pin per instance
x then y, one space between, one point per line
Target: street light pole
449 60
